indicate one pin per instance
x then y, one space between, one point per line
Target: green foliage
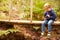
38 9
5 32
3 8
36 27
24 6
4 5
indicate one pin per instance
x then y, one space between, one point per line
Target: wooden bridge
27 22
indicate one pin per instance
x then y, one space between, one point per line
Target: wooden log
27 22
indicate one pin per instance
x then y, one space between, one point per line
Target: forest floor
30 32
27 32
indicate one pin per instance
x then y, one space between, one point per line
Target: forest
26 10
20 9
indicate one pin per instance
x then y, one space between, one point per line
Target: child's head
47 7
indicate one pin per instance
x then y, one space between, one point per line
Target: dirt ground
27 32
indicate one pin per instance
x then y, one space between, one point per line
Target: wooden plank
28 22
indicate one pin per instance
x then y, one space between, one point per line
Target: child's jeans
49 22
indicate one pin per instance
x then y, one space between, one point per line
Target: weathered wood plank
28 22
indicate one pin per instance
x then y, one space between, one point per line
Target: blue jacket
51 13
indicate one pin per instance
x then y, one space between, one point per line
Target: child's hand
48 16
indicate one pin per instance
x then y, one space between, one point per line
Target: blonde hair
47 5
